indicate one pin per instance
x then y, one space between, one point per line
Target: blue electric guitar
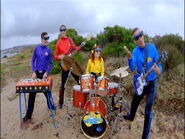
140 79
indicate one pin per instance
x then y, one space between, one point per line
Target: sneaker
60 106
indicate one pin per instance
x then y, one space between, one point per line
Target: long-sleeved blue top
138 57
42 55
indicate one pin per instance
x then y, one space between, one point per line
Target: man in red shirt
64 47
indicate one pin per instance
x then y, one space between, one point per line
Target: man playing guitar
65 46
137 58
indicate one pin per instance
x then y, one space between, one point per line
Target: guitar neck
78 48
150 70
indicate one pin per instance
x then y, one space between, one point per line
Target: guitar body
140 79
139 83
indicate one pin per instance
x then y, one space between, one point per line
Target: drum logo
92 118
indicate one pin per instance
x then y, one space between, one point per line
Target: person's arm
102 70
157 67
131 58
132 61
88 67
56 52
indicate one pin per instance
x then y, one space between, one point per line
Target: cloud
21 18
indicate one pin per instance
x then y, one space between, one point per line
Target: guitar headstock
164 55
89 37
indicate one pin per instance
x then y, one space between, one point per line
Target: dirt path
162 127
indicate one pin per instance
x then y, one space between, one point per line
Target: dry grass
170 86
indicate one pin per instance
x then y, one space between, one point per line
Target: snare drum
79 98
102 83
87 83
93 123
113 89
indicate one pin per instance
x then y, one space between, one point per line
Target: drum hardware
119 115
68 116
111 108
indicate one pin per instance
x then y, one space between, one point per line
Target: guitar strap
146 55
71 45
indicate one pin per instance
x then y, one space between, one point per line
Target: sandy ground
162 127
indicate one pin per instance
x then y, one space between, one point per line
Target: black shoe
127 117
60 106
26 118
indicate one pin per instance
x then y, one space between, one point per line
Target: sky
22 21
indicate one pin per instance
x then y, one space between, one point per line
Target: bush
169 39
175 57
22 56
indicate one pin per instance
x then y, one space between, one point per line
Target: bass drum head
95 130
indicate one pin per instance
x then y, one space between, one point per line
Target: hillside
168 111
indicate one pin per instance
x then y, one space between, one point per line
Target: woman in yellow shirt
95 64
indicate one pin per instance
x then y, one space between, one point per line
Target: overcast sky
22 21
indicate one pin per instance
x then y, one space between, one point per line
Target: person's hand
34 76
129 55
45 75
60 57
156 69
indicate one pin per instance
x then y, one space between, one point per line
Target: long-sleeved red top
63 46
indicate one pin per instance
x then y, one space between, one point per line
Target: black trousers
149 91
31 100
64 77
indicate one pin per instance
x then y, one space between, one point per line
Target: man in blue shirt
41 57
136 59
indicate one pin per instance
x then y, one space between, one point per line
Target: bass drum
93 123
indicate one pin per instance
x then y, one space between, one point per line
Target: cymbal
121 71
70 62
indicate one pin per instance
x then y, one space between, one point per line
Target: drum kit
94 121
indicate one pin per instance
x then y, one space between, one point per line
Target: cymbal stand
120 109
68 116
111 108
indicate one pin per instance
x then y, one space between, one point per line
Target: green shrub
175 57
22 56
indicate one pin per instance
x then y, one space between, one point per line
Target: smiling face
139 38
97 54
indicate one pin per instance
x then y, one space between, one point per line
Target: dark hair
62 26
134 30
43 34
